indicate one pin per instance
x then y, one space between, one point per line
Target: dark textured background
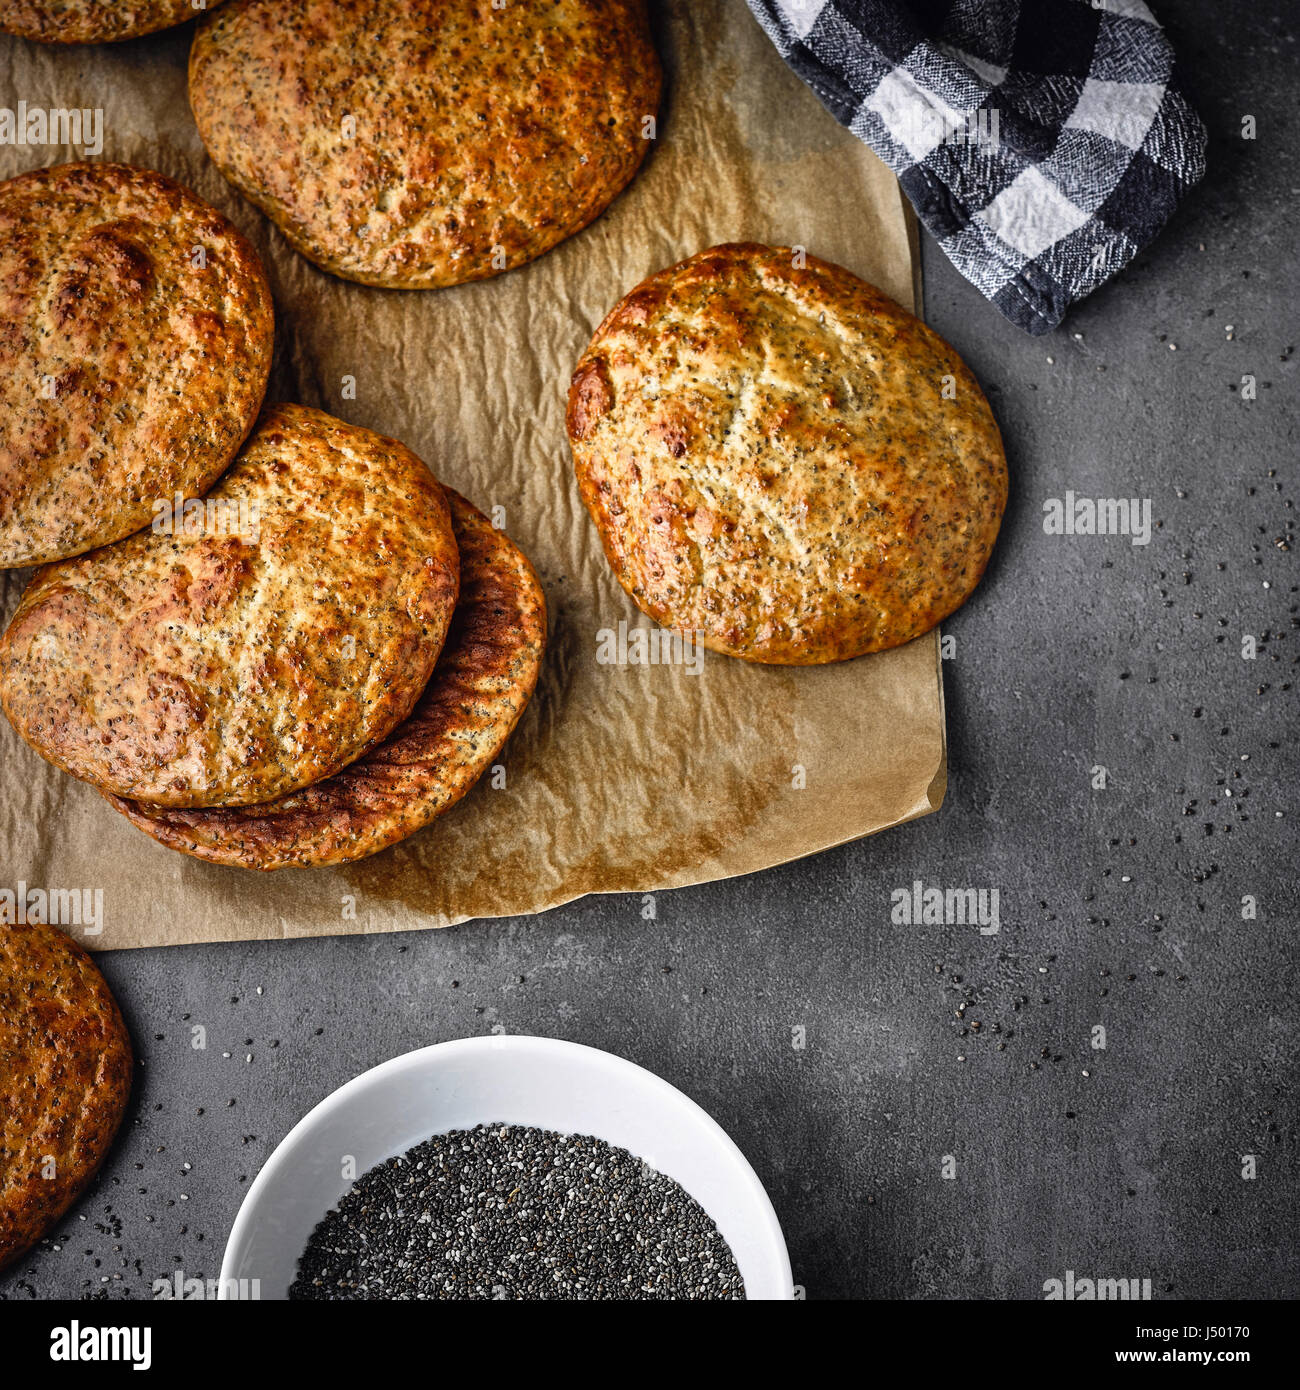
1119 907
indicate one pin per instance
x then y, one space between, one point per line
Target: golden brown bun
779 457
483 135
227 669
94 21
478 690
65 1075
127 371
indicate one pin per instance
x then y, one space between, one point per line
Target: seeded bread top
95 21
65 1075
418 143
781 458
478 690
135 342
234 665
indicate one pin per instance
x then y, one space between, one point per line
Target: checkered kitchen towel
1042 142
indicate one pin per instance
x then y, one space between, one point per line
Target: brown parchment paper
619 778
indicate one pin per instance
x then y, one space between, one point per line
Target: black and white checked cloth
1042 142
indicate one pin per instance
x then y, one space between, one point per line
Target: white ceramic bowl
554 1085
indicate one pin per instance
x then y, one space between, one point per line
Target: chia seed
510 1212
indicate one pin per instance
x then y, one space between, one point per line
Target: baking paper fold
620 777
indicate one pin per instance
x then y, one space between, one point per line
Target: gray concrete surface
1119 907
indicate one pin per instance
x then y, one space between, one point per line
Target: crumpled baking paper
621 777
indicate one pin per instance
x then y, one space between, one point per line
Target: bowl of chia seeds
509 1168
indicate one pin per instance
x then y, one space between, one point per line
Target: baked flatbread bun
65 1075
418 143
273 649
781 459
479 688
95 21
133 357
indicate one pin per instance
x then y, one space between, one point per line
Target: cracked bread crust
65 1075
781 458
94 21
483 135
127 372
232 667
474 699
